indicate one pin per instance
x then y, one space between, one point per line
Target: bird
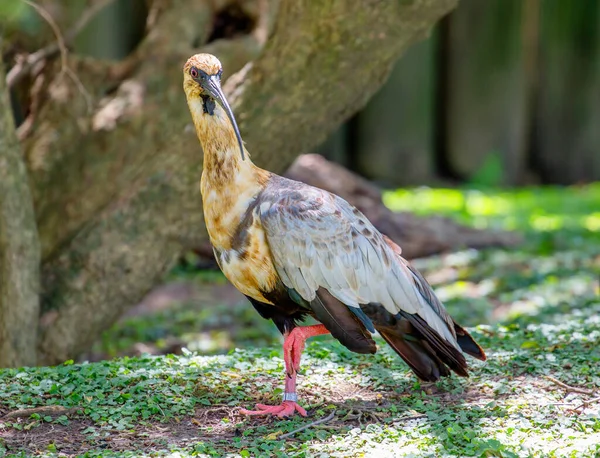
297 251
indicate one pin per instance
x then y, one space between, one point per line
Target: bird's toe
285 409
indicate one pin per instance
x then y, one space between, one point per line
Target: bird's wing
318 240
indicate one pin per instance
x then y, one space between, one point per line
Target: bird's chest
252 274
240 245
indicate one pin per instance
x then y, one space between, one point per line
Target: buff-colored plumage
296 250
228 186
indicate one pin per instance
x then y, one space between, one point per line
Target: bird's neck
223 163
229 183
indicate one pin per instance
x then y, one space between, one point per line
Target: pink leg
293 345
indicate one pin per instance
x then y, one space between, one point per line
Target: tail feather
444 350
428 354
433 343
423 363
467 343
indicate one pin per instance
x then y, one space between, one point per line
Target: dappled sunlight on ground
535 396
543 209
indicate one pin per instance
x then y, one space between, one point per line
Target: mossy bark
116 188
19 248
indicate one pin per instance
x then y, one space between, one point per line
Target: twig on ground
414 417
359 414
585 404
205 412
44 410
569 388
314 423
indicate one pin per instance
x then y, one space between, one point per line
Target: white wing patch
318 239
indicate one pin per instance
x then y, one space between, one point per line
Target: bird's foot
285 409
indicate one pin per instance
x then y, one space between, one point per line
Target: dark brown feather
464 339
421 347
423 363
443 349
467 343
286 314
342 323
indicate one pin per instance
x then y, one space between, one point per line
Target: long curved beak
212 86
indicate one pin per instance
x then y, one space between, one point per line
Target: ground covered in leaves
536 311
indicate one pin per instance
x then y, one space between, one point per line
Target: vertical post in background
394 133
486 100
335 148
115 31
567 133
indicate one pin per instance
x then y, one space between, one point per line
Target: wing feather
318 240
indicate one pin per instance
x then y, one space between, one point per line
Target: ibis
296 251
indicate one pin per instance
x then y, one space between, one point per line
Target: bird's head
202 82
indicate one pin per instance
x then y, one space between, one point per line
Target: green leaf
529 344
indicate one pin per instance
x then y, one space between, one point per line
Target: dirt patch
81 435
67 439
168 295
345 391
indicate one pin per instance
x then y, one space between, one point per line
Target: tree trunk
114 173
19 248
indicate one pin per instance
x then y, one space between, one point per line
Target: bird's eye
194 72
